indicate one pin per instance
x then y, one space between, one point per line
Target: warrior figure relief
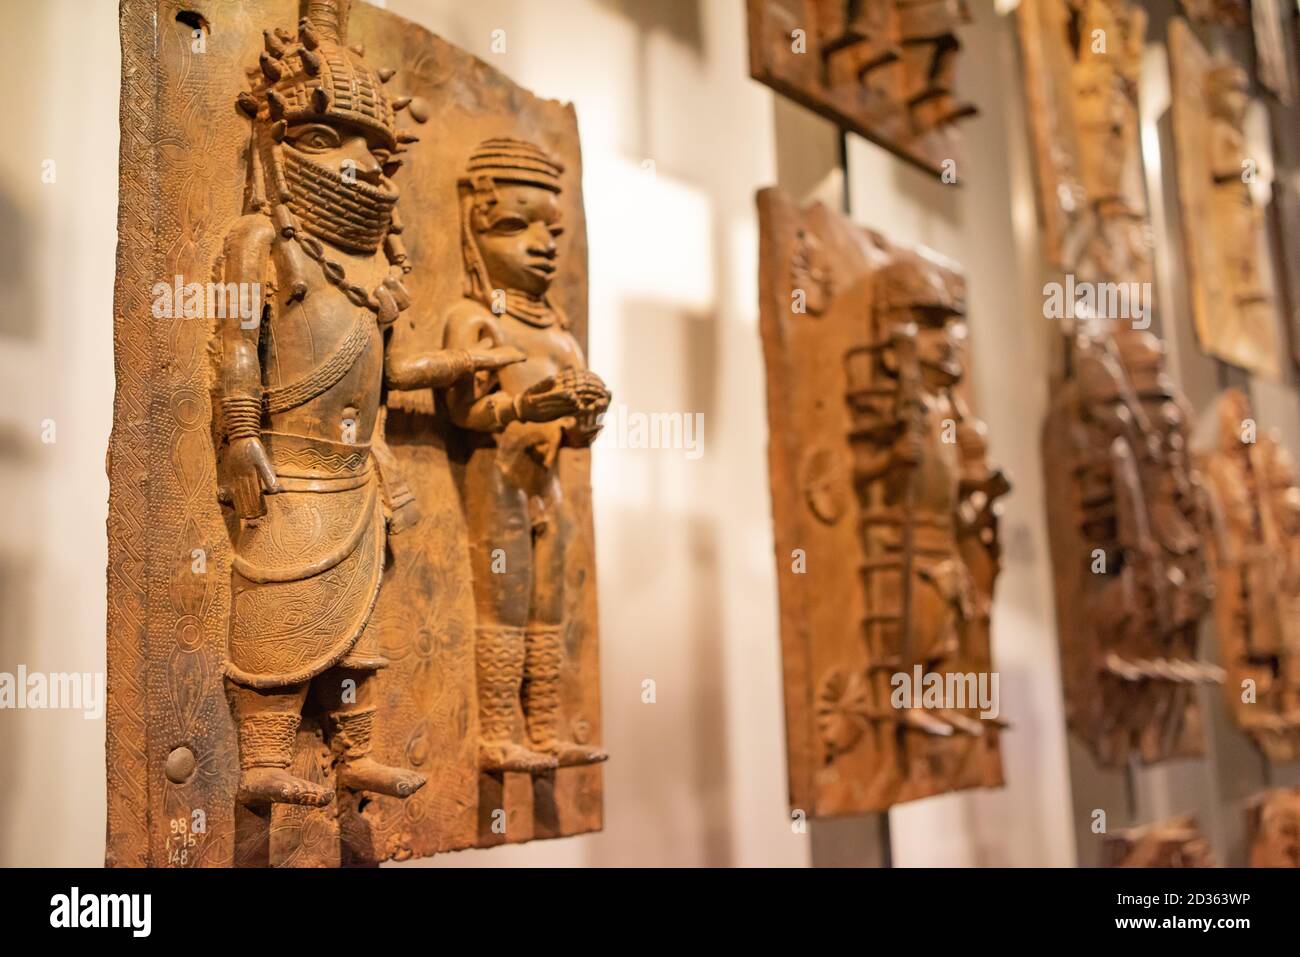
1282 503
518 421
1178 511
927 496
1142 585
1109 428
1105 94
1223 181
1257 524
1179 508
1236 217
1083 63
876 453
303 466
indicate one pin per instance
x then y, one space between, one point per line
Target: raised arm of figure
438 370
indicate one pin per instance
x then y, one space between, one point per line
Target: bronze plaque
1127 518
306 665
886 515
1230 277
1082 60
1255 551
884 69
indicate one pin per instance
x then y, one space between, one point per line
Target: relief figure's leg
347 697
544 635
500 557
268 726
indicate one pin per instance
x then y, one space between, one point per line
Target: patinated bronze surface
294 674
885 509
1174 843
1273 828
1229 268
1082 60
516 422
1127 516
1256 555
884 69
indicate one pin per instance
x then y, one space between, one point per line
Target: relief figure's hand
593 395
553 398
248 473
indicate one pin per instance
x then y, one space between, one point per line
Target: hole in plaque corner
194 20
362 803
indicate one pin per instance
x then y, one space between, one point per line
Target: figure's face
516 237
938 347
1105 115
343 150
1228 99
1113 416
1105 402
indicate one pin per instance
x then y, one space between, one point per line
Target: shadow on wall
19 323
680 20
18 316
675 358
664 633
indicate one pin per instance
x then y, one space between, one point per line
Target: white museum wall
676 140
56 362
